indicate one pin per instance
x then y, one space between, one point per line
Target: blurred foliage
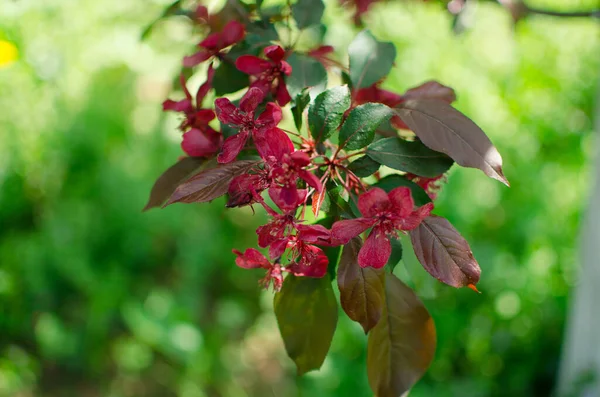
98 299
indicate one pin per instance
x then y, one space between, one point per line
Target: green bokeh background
100 299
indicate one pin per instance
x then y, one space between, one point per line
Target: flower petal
232 147
251 99
227 112
415 218
311 179
197 144
272 143
277 248
197 58
205 87
343 231
274 53
251 64
241 189
285 198
177 106
270 117
402 201
251 259
314 234
313 262
232 33
376 251
282 94
373 202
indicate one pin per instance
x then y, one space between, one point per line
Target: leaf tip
474 288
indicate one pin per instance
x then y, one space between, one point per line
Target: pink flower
199 138
386 214
269 73
215 43
243 119
277 233
312 261
253 259
243 188
284 166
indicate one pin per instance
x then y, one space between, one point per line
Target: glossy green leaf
326 113
361 289
370 60
359 128
364 166
413 157
308 12
402 344
306 312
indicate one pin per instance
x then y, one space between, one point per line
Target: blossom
214 44
199 138
269 73
253 259
243 119
430 185
386 213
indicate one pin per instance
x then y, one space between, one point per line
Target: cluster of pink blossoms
291 177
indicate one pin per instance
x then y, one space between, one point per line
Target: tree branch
588 14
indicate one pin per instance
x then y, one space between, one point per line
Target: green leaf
413 157
361 289
308 12
370 60
391 182
396 255
306 72
300 103
359 128
441 127
402 344
306 312
364 166
228 79
166 184
337 206
173 9
326 113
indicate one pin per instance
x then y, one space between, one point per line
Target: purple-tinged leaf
209 184
306 312
445 129
431 90
166 184
361 289
402 344
444 253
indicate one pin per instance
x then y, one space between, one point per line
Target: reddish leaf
431 90
402 344
209 184
361 289
444 253
306 313
166 184
445 129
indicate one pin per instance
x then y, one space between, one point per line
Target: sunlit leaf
445 129
364 166
326 113
359 128
308 12
370 60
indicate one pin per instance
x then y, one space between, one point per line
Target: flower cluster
295 171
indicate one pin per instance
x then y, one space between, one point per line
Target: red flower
243 188
386 213
312 261
284 166
430 185
199 138
276 234
269 73
321 54
215 43
253 259
243 119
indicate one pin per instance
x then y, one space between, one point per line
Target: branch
520 10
